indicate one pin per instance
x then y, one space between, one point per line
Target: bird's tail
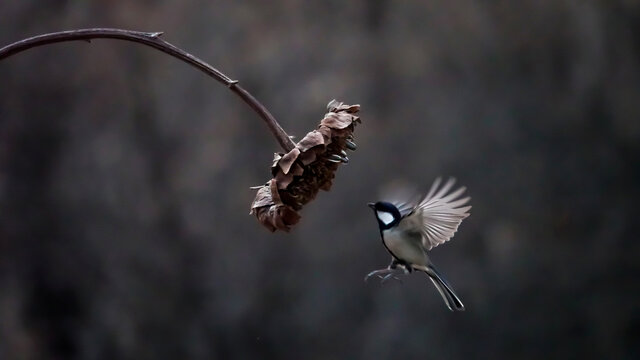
448 295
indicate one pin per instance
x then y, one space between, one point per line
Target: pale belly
409 250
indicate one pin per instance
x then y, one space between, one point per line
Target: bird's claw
377 273
383 274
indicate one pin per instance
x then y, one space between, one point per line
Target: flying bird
410 228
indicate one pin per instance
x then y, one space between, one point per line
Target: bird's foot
378 273
383 274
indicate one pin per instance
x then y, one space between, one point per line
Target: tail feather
450 298
443 292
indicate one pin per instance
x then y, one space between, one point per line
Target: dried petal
312 139
326 134
275 195
336 106
276 221
287 160
263 198
337 120
283 180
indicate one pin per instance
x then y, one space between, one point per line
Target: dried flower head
299 174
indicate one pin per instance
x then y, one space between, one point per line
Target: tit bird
411 228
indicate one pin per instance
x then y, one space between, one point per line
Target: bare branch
153 40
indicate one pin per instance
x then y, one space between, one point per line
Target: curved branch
153 40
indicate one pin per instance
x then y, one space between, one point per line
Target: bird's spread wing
439 213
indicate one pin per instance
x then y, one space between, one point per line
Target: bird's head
387 214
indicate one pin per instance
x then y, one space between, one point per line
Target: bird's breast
403 247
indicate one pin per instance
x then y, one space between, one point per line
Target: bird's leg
406 269
396 265
388 273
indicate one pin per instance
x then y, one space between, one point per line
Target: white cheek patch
385 217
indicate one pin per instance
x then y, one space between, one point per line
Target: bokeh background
124 176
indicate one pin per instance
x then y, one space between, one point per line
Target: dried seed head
299 174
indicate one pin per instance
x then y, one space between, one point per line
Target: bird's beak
372 205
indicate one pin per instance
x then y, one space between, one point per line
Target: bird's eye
385 217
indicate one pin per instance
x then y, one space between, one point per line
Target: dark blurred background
124 176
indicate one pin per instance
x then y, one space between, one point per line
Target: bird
410 228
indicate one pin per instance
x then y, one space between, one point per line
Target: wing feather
441 213
404 198
432 191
